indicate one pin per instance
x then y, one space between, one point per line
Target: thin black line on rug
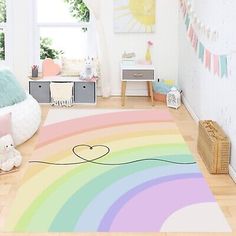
107 150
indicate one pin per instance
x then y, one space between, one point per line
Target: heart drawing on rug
95 152
91 155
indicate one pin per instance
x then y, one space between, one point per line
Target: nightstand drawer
145 75
85 92
40 91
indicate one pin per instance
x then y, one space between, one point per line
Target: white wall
165 50
209 96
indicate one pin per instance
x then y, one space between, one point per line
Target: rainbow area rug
113 171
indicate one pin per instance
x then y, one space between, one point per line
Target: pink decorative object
5 124
208 59
50 68
216 65
150 43
195 41
142 62
190 33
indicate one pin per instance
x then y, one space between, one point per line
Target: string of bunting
217 64
202 28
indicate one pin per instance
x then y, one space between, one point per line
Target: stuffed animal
90 71
9 156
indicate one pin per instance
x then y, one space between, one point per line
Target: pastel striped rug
113 171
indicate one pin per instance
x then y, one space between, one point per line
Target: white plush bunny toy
9 156
90 68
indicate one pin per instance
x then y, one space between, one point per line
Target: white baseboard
190 110
232 173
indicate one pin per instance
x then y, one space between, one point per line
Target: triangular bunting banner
187 21
217 64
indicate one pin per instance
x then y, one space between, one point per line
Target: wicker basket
214 147
159 97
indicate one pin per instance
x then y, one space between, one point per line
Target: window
4 32
63 28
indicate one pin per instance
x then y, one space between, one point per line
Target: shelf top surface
137 67
58 79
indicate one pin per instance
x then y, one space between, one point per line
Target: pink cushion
50 68
5 124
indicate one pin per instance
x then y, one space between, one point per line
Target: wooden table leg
123 92
148 87
151 91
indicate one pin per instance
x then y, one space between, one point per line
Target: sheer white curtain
95 8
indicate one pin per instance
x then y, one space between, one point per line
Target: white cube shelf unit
84 92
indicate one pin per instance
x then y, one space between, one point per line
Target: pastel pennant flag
201 52
195 42
208 59
190 33
187 21
193 39
216 65
224 66
184 9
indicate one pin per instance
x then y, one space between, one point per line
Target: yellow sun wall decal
134 16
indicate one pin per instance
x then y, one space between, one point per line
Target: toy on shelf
130 55
9 156
90 70
129 58
148 55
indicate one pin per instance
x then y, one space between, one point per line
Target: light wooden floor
222 186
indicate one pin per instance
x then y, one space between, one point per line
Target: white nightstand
140 73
